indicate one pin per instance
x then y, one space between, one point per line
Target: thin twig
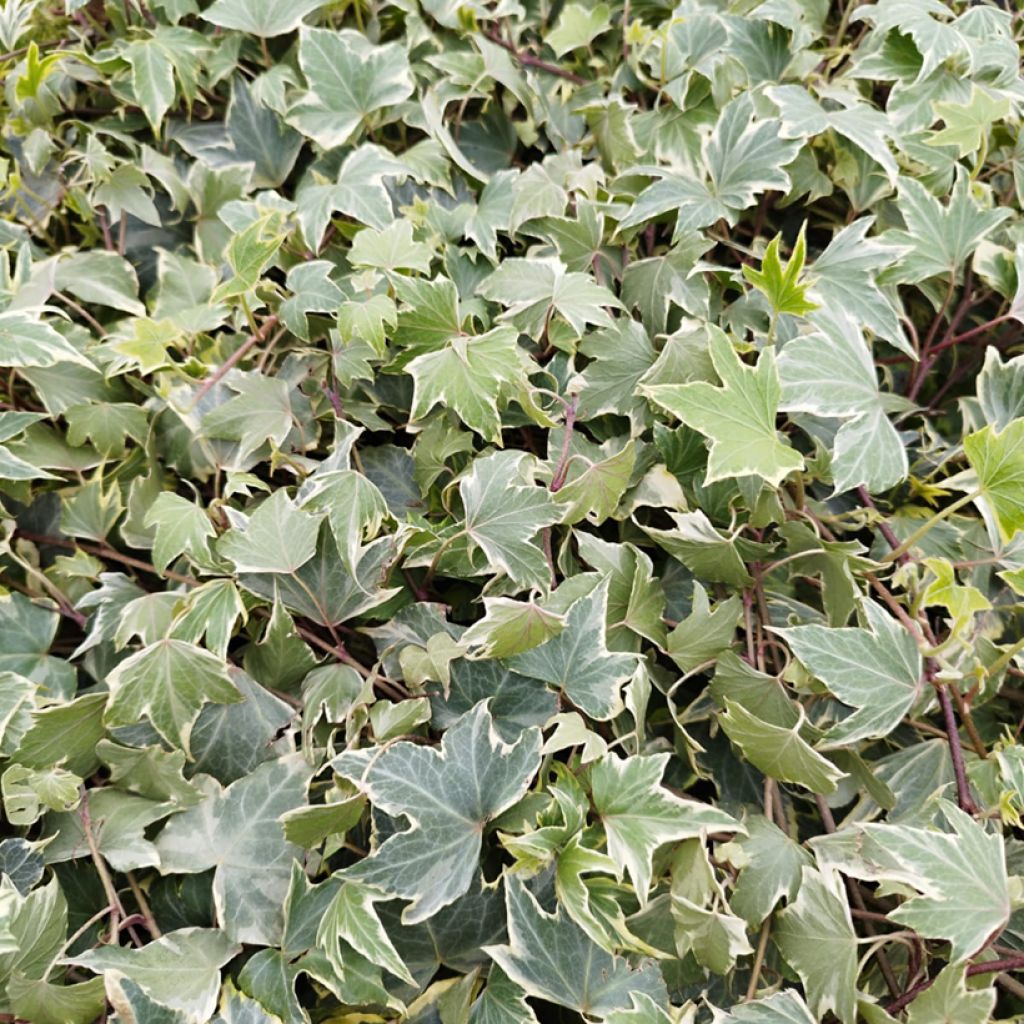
113 900
528 60
1010 963
236 356
143 904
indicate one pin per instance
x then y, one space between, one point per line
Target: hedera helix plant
511 512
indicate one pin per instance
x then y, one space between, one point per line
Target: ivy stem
113 900
562 468
762 948
927 526
963 789
1009 963
144 908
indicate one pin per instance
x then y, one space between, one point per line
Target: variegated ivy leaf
348 79
738 417
541 944
639 814
877 671
831 374
959 873
236 831
449 796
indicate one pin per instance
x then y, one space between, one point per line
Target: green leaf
541 945
578 26
781 1008
960 875
780 752
967 124
578 661
37 1000
781 285
260 17
390 248
469 375
101 277
815 935
875 670
738 417
348 80
998 459
180 970
236 831
181 528
118 826
351 916
832 374
940 237
845 275
949 1001
742 158
533 290
504 511
25 341
639 814
449 795
278 537
168 683
26 792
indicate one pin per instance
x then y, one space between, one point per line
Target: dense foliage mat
511 512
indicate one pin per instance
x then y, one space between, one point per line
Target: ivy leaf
967 124
781 285
875 670
449 796
742 157
504 513
780 1008
845 276
998 459
577 26
348 80
949 999
541 944
959 874
278 538
263 18
469 375
738 417
25 341
168 682
532 290
639 814
179 971
815 934
940 237
351 916
779 751
181 528
577 660
236 831
832 374
390 248
962 602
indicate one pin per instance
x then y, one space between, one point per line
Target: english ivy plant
511 513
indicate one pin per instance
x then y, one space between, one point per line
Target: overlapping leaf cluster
511 512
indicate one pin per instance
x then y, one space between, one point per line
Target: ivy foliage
511 513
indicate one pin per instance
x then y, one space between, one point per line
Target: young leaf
781 285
